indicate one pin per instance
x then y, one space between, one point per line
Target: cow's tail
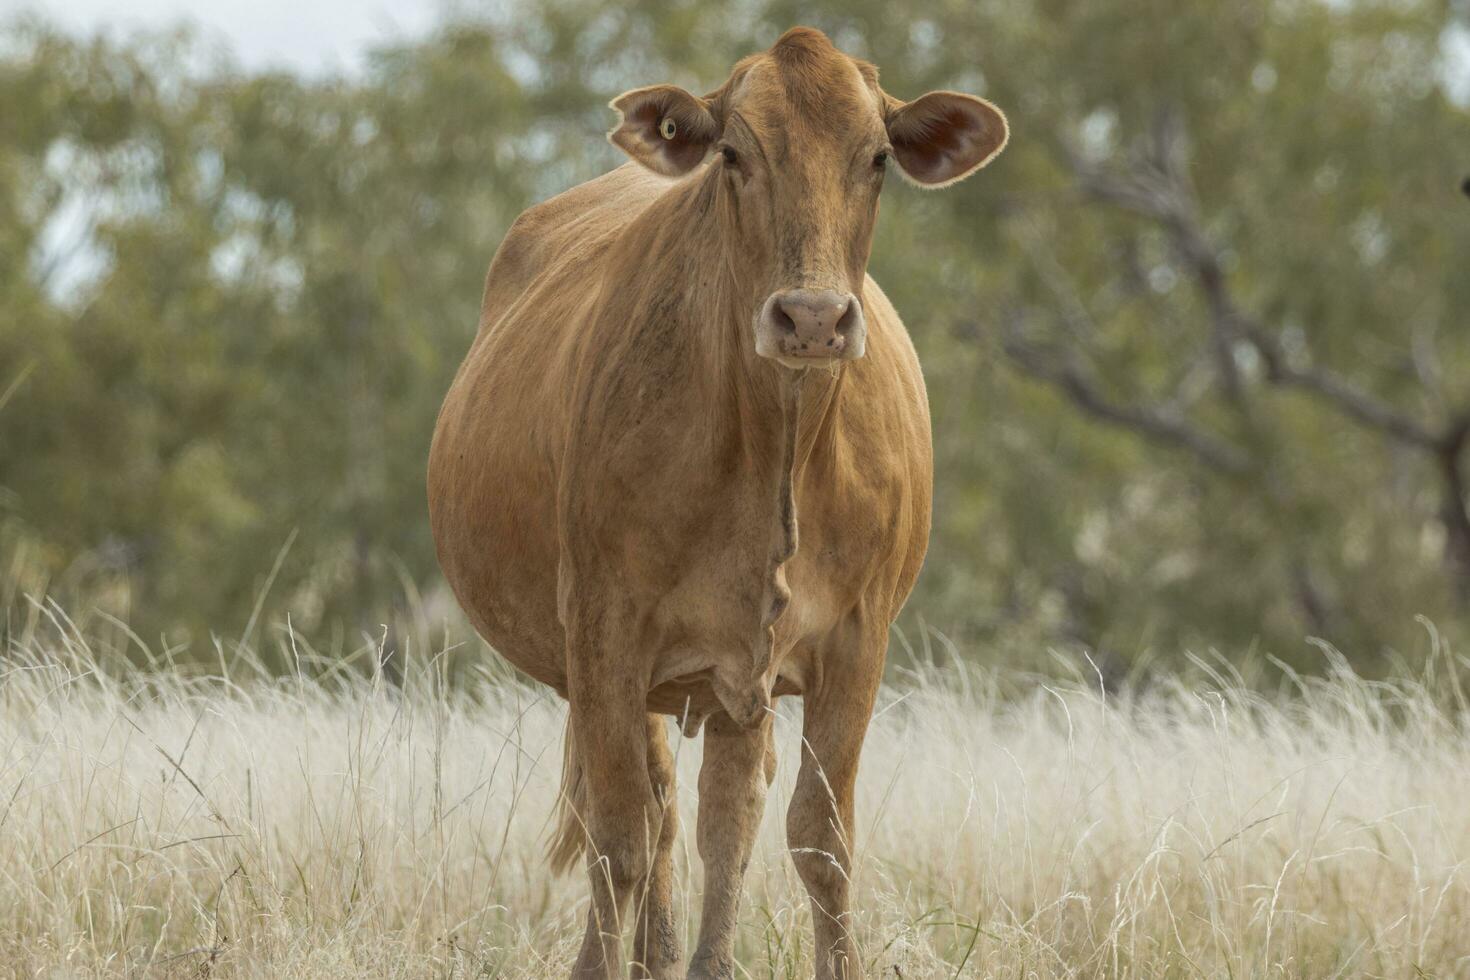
569 836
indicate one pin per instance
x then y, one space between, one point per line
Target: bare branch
1153 423
1157 187
1349 399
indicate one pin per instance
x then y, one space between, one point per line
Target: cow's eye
880 159
731 157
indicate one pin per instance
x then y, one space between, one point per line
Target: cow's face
797 143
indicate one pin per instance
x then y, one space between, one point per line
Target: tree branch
1155 424
1156 186
1348 398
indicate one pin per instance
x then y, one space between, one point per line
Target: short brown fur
639 510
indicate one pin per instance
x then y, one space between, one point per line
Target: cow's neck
771 417
775 414
762 424
763 418
776 417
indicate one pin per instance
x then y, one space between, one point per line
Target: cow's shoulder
561 234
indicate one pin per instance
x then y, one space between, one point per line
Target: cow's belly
495 525
502 564
492 509
505 580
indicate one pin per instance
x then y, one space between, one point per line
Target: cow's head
800 137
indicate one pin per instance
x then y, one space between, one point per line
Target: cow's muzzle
806 327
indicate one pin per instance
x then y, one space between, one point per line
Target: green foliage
230 305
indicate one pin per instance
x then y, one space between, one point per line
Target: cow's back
558 238
492 465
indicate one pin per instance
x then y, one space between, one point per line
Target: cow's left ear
664 128
943 137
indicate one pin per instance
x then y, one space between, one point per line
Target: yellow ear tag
668 128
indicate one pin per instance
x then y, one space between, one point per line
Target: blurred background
1198 342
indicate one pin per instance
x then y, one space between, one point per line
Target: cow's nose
811 323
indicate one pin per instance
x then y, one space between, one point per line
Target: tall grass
328 824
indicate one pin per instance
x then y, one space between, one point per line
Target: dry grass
153 824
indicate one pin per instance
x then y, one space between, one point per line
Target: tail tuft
569 838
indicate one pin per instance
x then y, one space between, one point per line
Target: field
330 825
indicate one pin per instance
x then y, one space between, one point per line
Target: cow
685 470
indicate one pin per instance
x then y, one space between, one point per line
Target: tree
1194 342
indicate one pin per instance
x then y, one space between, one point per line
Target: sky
313 36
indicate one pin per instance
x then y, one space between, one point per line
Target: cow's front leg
737 769
819 822
656 946
608 692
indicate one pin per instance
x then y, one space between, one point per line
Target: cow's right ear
664 128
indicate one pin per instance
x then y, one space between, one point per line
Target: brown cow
678 365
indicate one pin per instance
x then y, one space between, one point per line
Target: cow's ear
943 137
664 128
